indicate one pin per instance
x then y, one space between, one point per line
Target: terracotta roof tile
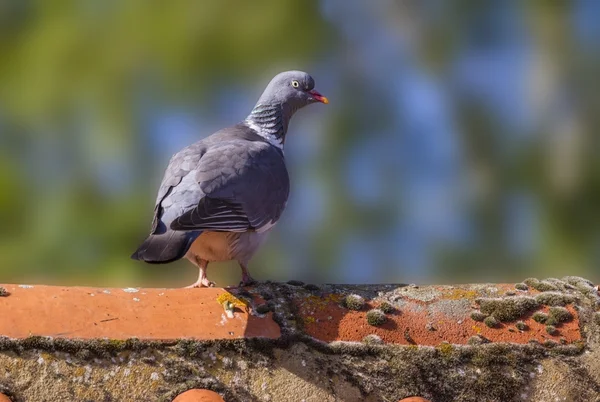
147 314
198 395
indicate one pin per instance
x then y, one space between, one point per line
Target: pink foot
247 280
201 283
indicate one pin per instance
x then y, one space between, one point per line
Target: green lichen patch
372 339
477 340
3 292
507 309
544 286
445 348
531 282
387 308
551 329
555 298
376 317
311 287
540 317
251 369
553 284
521 326
558 315
478 316
578 281
491 322
582 285
521 286
354 302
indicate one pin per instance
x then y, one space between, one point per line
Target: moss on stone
376 317
477 340
531 281
387 308
478 316
445 348
545 285
555 298
597 318
491 321
551 329
558 315
266 294
578 281
354 302
521 286
38 342
372 339
410 368
521 326
508 309
540 317
582 285
498 371
566 350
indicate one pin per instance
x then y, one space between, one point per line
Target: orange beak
316 95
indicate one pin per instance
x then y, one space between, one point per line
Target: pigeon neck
270 122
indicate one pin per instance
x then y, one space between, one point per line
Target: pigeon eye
295 84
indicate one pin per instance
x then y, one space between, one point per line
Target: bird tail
165 247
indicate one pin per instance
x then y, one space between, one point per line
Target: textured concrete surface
425 345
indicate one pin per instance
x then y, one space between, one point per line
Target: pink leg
202 279
247 280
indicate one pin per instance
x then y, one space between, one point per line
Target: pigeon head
286 93
293 88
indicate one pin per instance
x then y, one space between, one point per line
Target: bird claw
204 283
249 281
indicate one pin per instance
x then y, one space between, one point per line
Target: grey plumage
234 182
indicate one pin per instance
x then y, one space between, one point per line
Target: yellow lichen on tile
309 320
228 297
313 302
457 294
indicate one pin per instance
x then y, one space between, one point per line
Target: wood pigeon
221 195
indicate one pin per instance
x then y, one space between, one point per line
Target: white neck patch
266 134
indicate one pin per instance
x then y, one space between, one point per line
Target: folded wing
244 186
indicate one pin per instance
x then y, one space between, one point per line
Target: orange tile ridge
550 312
123 313
198 395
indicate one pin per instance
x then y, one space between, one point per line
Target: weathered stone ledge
534 341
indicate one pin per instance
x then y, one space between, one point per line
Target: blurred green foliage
82 81
72 77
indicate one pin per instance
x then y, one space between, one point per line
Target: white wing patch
266 227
